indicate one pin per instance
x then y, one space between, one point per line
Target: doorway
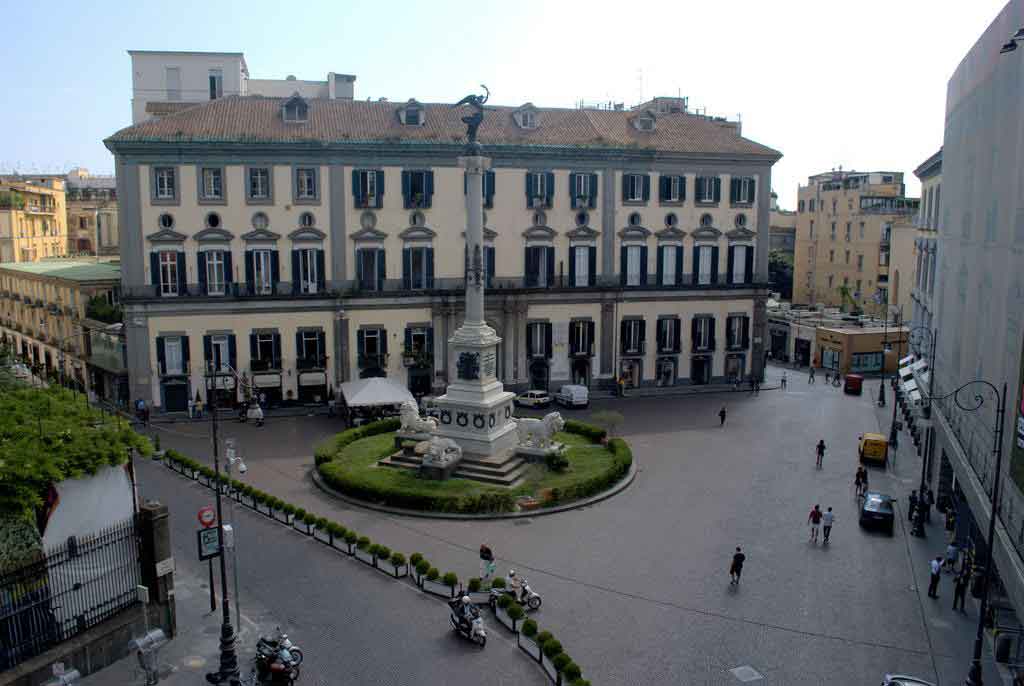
581 372
539 375
700 370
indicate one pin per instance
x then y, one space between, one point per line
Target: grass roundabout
347 462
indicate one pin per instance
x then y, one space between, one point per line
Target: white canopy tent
376 391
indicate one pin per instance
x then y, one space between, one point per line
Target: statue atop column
474 120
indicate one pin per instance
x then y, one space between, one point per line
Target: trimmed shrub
433 574
336 530
450 579
397 559
556 462
373 549
415 558
592 433
300 514
504 601
551 648
561 661
322 523
543 637
474 585
498 583
580 682
351 537
309 518
383 552
326 450
288 508
572 672
529 628
515 611
422 567
363 543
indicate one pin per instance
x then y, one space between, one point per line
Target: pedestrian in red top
814 519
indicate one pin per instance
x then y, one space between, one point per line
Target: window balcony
417 358
309 363
370 361
181 370
271 365
634 350
581 351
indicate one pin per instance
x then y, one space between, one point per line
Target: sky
858 84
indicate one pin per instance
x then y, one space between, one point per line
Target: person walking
911 505
828 377
935 566
721 416
814 519
827 520
820 450
757 387
857 482
736 568
863 481
783 381
952 553
486 562
810 375
960 584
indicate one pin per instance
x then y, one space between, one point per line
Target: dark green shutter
701 190
207 351
201 264
623 265
676 331
551 266
182 275
643 335
250 271
154 270
229 273
299 352
321 276
253 349
428 188
625 187
695 333
714 265
529 189
296 285
186 358
572 191
592 200
734 190
731 261
746 332
430 339
664 187
549 189
406 268
406 185
643 265
623 335
711 333
489 189
647 187
359 269
381 269
660 270
161 363
679 265
660 334
277 351
547 340
752 193
749 257
429 267
591 266
232 352
696 264
360 342
321 340
529 339
590 337
408 339
682 188
718 188
357 191
572 266
275 270
380 188
529 267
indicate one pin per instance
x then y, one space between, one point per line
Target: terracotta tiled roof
162 109
256 119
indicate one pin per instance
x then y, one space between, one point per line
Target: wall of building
149 77
39 228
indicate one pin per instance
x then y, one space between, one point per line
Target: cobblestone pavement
354 625
637 587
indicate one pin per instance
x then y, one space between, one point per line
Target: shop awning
375 391
915 397
908 360
919 366
910 387
906 373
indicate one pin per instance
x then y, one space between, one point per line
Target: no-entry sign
207 517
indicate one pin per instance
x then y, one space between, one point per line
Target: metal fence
71 588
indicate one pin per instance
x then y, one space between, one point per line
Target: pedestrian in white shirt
936 569
826 523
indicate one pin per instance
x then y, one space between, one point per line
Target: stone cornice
260 235
166 236
213 235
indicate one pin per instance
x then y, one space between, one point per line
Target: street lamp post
228 671
893 434
885 343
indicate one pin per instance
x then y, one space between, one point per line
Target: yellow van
873 448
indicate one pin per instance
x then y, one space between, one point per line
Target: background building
979 296
33 218
637 249
926 223
168 81
782 228
44 308
830 339
844 234
92 213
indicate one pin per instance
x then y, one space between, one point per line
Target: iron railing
69 589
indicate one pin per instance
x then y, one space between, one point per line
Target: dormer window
645 121
411 114
529 120
526 116
295 110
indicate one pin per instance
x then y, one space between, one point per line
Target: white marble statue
537 433
442 452
413 423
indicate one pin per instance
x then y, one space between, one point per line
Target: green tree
99 309
780 273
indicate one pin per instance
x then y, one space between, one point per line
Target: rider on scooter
514 584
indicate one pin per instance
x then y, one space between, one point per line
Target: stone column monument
476 410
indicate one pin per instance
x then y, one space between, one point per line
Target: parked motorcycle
267 645
472 630
277 674
527 597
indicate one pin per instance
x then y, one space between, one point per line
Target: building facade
926 225
844 233
33 218
781 229
168 81
92 213
978 300
45 309
303 243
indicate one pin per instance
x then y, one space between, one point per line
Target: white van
573 395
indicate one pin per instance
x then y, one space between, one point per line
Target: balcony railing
634 350
370 361
231 290
183 370
670 349
272 365
307 363
417 358
581 351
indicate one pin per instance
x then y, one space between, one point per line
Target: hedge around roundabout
347 463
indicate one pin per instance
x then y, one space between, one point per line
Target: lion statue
537 433
442 452
413 423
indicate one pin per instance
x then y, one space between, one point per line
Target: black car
877 511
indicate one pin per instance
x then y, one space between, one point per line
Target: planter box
550 670
479 598
303 528
437 588
386 567
507 621
322 535
365 557
529 646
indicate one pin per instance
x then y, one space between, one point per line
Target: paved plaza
636 587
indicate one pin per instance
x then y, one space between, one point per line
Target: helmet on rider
511 572
466 600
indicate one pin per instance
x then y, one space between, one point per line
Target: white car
904 680
533 399
573 395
